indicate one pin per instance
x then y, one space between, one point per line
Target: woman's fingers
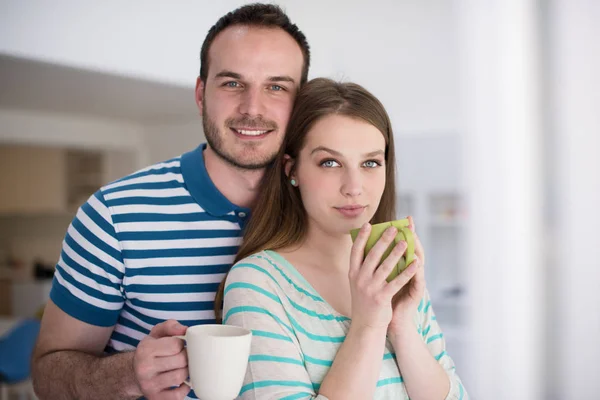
419 278
411 224
402 279
358 249
383 271
419 251
373 259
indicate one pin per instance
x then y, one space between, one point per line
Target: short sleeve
88 280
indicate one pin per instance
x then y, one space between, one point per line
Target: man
144 256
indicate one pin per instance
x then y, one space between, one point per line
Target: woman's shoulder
260 266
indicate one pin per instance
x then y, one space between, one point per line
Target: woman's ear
288 164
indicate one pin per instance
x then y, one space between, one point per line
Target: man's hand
160 362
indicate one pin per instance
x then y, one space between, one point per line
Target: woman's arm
357 365
427 370
423 377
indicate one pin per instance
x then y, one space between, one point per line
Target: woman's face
340 173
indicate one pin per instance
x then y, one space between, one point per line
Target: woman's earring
293 182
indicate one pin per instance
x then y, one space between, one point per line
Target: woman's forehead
344 134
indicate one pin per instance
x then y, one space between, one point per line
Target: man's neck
239 186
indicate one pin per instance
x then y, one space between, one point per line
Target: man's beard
215 141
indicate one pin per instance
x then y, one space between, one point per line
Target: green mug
404 233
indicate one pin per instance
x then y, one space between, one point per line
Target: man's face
249 92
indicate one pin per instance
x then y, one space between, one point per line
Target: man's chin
248 164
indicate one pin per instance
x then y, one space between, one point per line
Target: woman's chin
350 225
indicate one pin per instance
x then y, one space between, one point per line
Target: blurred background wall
495 107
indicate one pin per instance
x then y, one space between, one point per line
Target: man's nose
252 102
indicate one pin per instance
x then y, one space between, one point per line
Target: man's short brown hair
257 15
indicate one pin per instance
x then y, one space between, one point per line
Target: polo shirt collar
201 187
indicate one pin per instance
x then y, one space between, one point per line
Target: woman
326 324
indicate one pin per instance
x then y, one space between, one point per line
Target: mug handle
187 381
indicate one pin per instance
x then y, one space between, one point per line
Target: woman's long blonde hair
279 219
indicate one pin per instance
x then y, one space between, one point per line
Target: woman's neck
328 249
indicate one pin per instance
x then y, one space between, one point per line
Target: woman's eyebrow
327 149
337 153
375 153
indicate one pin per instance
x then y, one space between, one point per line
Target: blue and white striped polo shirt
150 247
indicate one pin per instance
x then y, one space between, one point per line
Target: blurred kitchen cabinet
83 176
23 298
50 180
28 297
5 297
32 179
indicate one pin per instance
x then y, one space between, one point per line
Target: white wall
574 318
429 162
169 140
503 178
404 51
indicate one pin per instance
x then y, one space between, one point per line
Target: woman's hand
371 293
406 301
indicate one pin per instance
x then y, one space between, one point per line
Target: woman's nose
352 185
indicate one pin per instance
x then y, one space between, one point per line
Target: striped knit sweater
296 334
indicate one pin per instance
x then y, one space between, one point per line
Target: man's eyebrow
228 74
337 153
235 75
282 78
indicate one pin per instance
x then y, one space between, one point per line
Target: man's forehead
256 52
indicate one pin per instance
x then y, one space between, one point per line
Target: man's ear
288 165
199 94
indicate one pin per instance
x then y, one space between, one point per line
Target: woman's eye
329 163
372 164
276 88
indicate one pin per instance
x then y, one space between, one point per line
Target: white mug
217 360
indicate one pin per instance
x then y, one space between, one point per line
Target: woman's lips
351 211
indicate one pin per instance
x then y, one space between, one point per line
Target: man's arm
68 362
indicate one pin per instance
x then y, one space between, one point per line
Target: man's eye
329 163
231 84
277 88
372 164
